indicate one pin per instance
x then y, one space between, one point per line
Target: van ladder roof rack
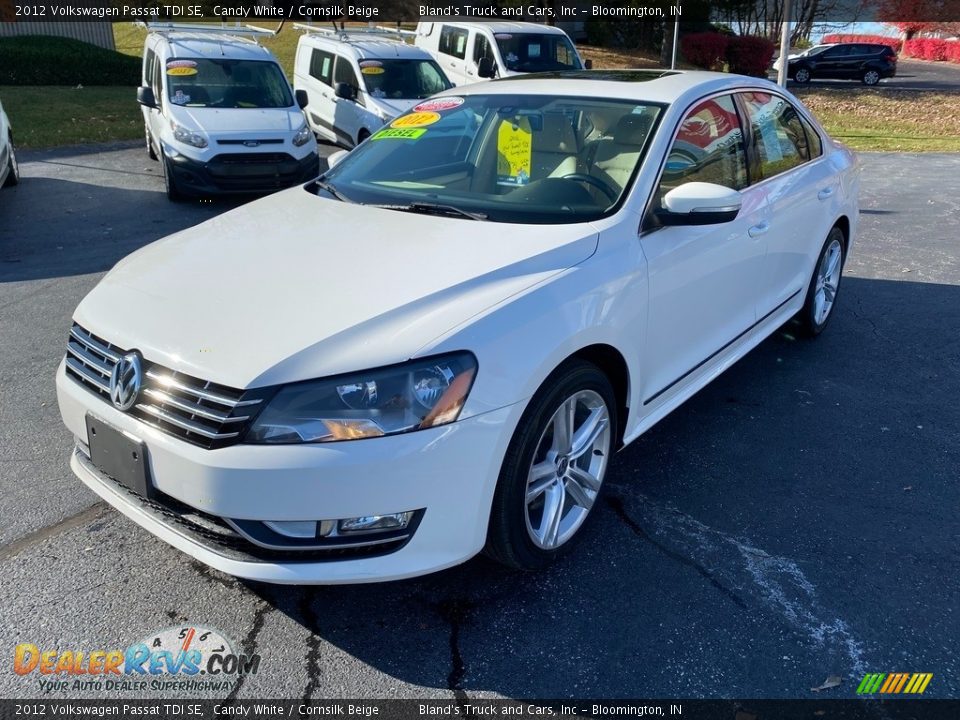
352 34
203 29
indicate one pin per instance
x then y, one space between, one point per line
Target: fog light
369 523
301 528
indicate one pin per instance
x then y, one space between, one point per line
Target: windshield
403 79
507 158
537 52
224 83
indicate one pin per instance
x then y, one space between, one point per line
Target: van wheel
150 151
554 468
13 168
170 182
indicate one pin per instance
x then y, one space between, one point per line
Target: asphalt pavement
797 519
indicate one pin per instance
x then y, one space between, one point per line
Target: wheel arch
613 364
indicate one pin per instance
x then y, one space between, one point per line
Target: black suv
866 62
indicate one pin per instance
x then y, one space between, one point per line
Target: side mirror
145 97
345 91
588 64
699 203
486 68
336 157
302 99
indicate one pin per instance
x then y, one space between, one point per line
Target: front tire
825 285
554 468
170 182
13 167
801 76
871 77
150 151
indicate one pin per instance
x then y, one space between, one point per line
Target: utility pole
784 44
676 36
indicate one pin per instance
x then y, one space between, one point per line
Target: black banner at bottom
463 707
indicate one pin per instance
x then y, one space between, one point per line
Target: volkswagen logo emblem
125 381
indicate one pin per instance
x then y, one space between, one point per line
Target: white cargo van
358 80
220 114
471 51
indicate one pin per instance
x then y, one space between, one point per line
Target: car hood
394 108
293 287
221 122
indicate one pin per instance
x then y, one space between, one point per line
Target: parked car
451 331
356 81
867 62
814 49
219 114
472 51
9 169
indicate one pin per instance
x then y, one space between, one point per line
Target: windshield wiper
324 185
424 208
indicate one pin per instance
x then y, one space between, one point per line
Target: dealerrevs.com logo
177 658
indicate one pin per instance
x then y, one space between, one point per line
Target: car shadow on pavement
747 532
52 227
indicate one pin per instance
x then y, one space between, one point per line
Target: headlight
188 136
303 135
413 396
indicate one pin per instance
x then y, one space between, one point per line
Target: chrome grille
198 411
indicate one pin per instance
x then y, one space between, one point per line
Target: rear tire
824 285
13 167
871 77
554 468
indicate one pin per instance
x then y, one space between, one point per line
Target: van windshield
501 157
537 52
402 79
226 83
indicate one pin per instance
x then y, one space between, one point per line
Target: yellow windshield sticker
372 70
514 152
399 134
416 120
180 71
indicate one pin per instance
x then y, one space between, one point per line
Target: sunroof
609 75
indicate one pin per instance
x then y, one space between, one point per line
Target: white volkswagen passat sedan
436 347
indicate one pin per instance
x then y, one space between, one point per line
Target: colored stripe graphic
894 683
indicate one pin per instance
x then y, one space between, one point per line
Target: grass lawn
51 115
904 120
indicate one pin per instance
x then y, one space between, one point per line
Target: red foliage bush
893 42
705 49
750 55
932 49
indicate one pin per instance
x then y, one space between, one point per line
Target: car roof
369 46
501 26
195 45
656 86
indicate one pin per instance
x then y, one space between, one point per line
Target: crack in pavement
454 612
311 620
616 504
249 643
781 583
71 522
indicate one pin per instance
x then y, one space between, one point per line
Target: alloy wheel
828 279
802 76
567 469
871 77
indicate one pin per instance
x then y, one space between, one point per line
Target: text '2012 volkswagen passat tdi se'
436 347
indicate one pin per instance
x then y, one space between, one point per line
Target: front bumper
450 473
238 173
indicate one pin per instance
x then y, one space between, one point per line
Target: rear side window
709 148
321 66
453 41
778 135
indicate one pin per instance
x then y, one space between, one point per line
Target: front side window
481 48
709 147
402 79
507 158
226 83
344 73
778 135
453 41
813 140
537 52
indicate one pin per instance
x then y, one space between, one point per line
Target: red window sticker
439 105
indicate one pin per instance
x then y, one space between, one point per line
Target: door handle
825 193
758 230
